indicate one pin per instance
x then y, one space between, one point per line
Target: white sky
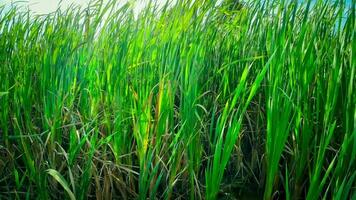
48 6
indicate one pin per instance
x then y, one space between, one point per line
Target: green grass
190 100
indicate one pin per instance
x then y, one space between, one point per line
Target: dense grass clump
193 100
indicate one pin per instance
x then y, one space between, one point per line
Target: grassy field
192 100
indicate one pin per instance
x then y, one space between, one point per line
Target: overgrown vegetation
188 100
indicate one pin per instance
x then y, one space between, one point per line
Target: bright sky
48 6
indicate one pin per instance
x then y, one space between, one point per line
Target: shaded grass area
191 100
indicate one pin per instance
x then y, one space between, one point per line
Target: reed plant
189 99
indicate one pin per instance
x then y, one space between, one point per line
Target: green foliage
184 100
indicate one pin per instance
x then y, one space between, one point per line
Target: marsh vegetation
189 100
